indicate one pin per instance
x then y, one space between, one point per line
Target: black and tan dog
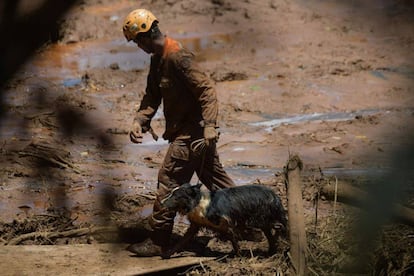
227 211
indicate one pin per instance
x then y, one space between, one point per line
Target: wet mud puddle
332 116
67 63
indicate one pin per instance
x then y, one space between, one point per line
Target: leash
199 146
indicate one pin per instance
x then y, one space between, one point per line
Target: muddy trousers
178 167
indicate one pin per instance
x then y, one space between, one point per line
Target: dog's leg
232 237
189 234
235 245
271 239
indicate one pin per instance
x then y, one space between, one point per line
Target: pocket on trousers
180 151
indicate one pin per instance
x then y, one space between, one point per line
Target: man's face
145 43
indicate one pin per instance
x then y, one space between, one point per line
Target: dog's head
183 199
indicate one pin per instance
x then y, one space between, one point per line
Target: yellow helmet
138 21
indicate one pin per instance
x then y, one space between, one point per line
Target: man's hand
210 135
136 133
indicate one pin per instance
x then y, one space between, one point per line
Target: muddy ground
329 80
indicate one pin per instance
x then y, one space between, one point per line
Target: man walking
190 111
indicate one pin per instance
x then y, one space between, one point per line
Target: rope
199 146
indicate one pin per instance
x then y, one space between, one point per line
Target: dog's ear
198 186
194 190
186 185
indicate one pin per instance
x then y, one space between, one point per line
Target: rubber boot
155 245
147 248
162 222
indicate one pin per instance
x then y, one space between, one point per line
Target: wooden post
297 233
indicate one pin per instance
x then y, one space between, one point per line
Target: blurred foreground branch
357 197
22 33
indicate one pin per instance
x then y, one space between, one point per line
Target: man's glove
210 135
136 133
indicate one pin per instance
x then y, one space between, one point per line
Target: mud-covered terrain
331 81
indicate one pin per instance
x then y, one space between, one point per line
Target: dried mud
329 80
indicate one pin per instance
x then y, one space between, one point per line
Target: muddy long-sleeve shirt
188 97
